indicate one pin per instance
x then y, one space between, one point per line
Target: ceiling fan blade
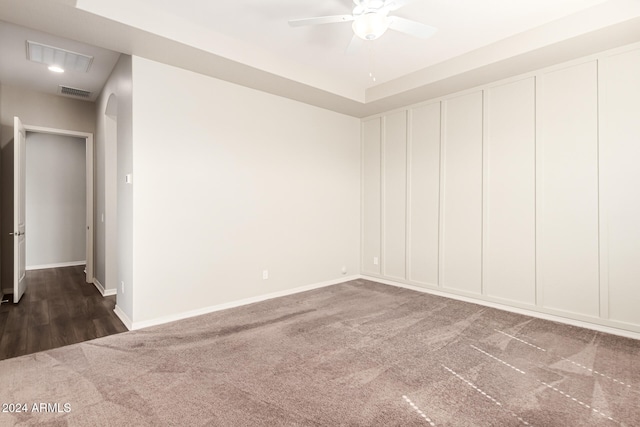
354 45
411 28
391 5
320 20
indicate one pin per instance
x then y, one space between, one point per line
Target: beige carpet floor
355 354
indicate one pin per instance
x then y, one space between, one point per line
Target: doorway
55 201
9 195
58 307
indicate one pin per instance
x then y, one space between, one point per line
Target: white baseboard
524 311
56 265
104 292
125 319
232 304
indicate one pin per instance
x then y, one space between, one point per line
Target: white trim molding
131 325
123 317
504 307
56 265
89 160
211 309
104 292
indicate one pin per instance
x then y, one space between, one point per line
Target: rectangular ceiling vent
63 58
71 91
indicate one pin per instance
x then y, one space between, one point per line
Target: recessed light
56 56
56 69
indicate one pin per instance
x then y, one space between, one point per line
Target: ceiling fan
370 21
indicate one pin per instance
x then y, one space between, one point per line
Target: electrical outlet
122 287
375 260
344 269
265 274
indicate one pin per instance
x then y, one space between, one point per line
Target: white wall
424 187
619 153
228 182
113 235
371 196
461 201
394 194
509 192
538 200
567 184
43 109
55 200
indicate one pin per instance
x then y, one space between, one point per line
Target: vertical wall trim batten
407 228
438 282
441 221
537 300
603 236
539 187
362 179
485 190
382 259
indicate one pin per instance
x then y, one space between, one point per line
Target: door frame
89 161
19 216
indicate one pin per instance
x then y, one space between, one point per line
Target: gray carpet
354 354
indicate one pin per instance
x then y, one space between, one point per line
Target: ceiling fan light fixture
370 26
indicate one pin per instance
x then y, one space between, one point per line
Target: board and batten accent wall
461 197
523 192
394 194
424 187
509 204
619 96
567 185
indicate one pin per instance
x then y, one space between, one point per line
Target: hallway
58 309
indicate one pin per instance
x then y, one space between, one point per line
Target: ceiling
464 25
17 70
249 42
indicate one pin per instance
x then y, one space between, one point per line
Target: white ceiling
249 42
464 25
17 70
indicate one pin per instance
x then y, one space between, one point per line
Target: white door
19 252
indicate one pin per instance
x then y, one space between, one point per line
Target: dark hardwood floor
58 309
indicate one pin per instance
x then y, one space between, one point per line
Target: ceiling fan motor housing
371 20
370 25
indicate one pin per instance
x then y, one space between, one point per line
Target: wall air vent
71 91
65 59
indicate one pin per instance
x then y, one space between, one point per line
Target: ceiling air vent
71 91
